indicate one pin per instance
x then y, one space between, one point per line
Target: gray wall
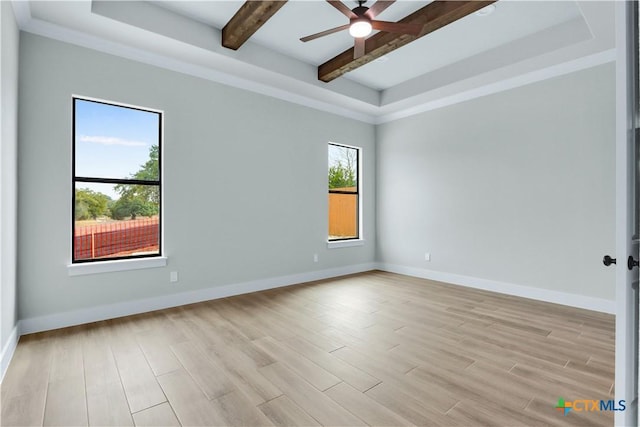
516 187
245 180
9 38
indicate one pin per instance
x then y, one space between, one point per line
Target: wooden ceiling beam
433 16
247 20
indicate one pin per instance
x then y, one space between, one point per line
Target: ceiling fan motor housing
360 11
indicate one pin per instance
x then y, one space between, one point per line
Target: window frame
117 261
349 241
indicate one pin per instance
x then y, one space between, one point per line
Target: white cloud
110 140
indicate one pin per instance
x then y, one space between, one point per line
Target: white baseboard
8 349
572 300
126 308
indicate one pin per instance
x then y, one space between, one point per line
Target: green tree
132 207
90 204
139 200
341 176
342 168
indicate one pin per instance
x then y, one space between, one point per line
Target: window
116 209
344 190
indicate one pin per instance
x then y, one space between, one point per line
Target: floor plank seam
150 407
378 383
84 380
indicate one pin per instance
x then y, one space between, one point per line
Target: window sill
116 265
345 243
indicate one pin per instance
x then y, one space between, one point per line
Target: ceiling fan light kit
360 27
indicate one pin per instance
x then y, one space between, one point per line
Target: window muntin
344 192
116 206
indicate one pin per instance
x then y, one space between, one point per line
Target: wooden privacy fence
343 215
116 238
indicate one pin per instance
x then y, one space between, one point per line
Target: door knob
607 260
632 263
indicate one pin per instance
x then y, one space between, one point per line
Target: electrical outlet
427 256
173 276
315 257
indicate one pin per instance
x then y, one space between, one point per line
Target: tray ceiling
519 38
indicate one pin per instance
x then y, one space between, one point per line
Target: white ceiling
519 40
509 22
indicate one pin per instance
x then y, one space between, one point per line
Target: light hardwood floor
374 349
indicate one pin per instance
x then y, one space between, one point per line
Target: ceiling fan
361 23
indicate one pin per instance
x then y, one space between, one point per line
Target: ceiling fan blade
342 8
324 33
378 7
397 27
358 47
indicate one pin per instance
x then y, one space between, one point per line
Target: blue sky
112 141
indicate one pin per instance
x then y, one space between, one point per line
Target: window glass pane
115 142
343 216
343 168
116 220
